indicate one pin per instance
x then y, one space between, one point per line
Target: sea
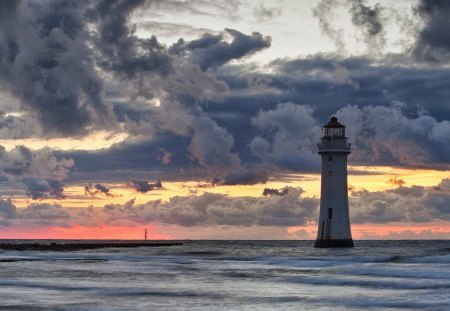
230 275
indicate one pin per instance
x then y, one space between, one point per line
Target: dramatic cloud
270 191
211 147
44 214
396 181
291 136
368 19
66 62
122 51
144 186
96 189
245 176
403 204
387 135
218 209
21 161
433 42
39 188
212 51
47 64
285 207
205 210
39 171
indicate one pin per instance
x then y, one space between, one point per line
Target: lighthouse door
330 217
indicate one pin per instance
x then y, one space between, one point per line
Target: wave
350 260
203 253
393 272
22 259
409 303
368 283
444 259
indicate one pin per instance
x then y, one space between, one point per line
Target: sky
200 119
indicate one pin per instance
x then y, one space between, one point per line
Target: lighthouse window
330 213
330 159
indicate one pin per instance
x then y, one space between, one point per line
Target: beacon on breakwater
334 220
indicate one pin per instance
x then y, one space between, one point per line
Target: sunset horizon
115 118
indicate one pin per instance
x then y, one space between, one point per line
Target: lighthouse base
334 243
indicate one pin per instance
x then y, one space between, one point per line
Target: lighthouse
334 220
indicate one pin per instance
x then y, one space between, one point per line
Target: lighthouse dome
333 129
334 123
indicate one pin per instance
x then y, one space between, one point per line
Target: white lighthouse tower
334 220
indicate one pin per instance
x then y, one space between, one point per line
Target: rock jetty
80 246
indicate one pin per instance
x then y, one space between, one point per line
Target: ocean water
231 275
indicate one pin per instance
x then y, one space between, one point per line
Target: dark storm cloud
433 42
96 189
143 186
246 176
404 204
55 70
46 63
17 127
22 162
387 135
211 146
34 215
288 136
396 116
212 51
40 172
40 188
217 209
271 191
44 214
207 209
368 19
130 160
182 84
122 51
309 80
238 125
